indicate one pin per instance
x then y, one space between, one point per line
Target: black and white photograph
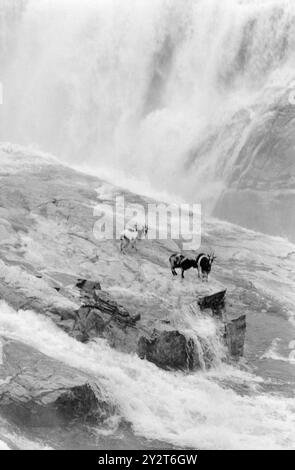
147 228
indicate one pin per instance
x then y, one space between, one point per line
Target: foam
196 410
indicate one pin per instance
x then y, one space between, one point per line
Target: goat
175 262
128 237
178 260
142 229
204 264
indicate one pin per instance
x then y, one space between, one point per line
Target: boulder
216 302
36 390
168 350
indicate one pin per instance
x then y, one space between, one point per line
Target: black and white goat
202 263
177 260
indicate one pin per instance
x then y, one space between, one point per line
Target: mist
165 94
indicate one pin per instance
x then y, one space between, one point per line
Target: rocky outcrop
165 346
88 288
215 302
99 315
261 180
234 325
51 261
234 335
168 350
36 390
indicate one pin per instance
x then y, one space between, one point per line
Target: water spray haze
148 87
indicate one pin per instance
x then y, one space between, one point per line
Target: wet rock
168 350
216 302
88 288
264 186
235 331
44 270
36 390
234 327
79 336
99 312
67 325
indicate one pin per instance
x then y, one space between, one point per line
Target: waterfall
159 90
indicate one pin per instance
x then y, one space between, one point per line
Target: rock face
52 263
88 288
216 302
234 326
261 181
99 315
234 335
38 391
168 350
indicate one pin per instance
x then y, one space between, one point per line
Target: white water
274 353
141 85
3 446
186 410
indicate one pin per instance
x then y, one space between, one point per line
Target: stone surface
215 302
52 263
235 331
234 326
36 390
99 315
168 350
88 289
261 181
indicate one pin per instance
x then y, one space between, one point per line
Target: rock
262 177
67 325
51 263
216 302
235 330
36 390
79 336
88 287
168 350
99 313
234 327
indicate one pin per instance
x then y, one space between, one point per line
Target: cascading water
184 410
142 84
